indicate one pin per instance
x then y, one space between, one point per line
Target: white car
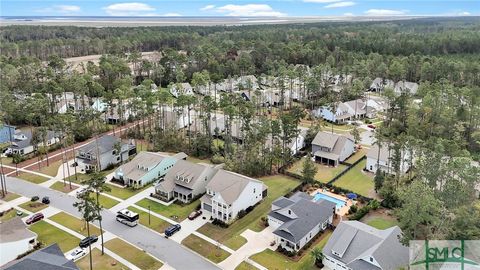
77 254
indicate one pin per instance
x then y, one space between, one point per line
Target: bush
217 159
374 204
241 214
368 121
220 223
353 209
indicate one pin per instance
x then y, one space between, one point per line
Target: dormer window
289 211
371 259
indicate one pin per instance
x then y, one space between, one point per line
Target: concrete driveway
163 249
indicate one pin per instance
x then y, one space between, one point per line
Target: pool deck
342 211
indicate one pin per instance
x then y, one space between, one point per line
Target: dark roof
20 144
49 258
106 143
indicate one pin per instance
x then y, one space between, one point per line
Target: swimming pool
338 202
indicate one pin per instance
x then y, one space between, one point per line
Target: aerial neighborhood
233 144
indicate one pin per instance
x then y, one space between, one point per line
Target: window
371 259
253 190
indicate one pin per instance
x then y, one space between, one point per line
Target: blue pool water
338 202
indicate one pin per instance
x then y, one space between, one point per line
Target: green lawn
99 261
105 201
356 180
245 266
381 223
182 211
59 186
10 196
324 173
134 255
52 169
123 193
359 154
10 214
49 234
278 185
204 248
197 160
36 179
80 178
156 224
33 206
274 260
74 224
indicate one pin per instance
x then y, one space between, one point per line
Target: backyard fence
349 166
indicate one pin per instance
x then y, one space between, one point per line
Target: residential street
165 250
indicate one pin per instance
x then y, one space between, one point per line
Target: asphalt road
165 250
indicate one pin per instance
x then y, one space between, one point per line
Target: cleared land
134 255
182 211
278 185
99 261
49 234
206 249
74 224
156 224
357 180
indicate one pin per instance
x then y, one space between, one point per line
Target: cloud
129 9
171 14
464 13
63 9
249 10
348 14
321 1
207 7
340 4
384 12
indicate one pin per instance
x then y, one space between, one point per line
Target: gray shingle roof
229 184
145 160
354 240
14 230
49 258
105 144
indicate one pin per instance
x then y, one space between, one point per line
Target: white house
379 84
296 220
15 239
181 89
405 87
22 142
345 111
228 193
358 246
383 160
331 148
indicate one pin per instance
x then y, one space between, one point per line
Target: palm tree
317 254
88 208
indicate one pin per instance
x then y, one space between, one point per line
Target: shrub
241 214
220 223
353 209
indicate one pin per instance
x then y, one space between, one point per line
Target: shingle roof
106 143
325 139
49 258
14 230
354 240
373 152
229 184
146 160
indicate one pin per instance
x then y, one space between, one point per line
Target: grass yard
197 160
105 201
278 185
74 224
324 173
182 211
156 224
358 155
382 224
36 179
132 254
10 214
80 178
123 193
33 206
204 248
10 196
52 169
49 234
59 186
245 266
99 261
356 180
274 260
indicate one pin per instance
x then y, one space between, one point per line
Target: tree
356 134
378 180
309 170
89 211
318 256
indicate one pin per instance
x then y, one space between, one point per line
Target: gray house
358 246
89 157
298 219
331 148
49 258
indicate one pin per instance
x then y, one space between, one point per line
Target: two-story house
15 239
382 160
349 110
379 84
229 193
331 148
185 181
181 89
357 246
146 168
104 151
23 144
296 220
6 133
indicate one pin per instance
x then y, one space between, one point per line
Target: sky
277 8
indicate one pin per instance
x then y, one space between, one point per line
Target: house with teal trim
146 168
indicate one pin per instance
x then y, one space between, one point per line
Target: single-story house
50 257
103 151
6 133
296 220
331 148
358 246
15 239
145 168
228 193
185 181
383 160
22 142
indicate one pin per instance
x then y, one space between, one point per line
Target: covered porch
183 194
327 158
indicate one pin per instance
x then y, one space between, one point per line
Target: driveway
163 249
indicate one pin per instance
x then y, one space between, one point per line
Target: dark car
87 241
45 200
194 214
34 198
34 218
172 230
371 126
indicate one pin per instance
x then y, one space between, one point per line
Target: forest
440 123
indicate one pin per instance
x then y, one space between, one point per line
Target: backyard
357 180
74 224
381 219
206 249
49 234
33 206
358 155
278 185
182 211
99 261
324 173
132 254
156 224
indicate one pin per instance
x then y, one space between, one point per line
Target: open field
357 180
204 248
132 254
49 234
99 261
156 224
182 211
74 224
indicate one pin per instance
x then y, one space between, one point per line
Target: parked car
76 254
371 126
172 230
194 214
34 218
35 198
87 241
46 200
